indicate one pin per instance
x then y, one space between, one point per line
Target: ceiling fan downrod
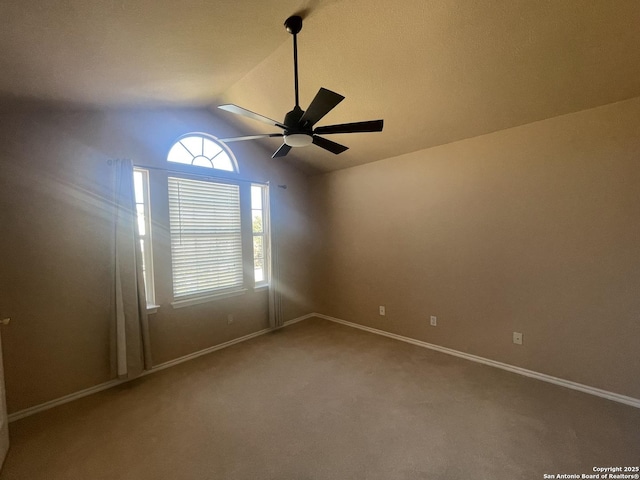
293 25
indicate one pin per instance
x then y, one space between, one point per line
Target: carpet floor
319 400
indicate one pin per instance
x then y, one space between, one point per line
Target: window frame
207 174
215 175
146 238
265 234
205 136
208 294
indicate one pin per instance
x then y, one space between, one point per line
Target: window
218 225
141 189
260 224
202 150
206 237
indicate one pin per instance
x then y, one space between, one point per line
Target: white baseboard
299 319
66 399
220 346
112 383
616 397
199 353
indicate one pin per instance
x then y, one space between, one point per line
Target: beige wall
534 229
56 244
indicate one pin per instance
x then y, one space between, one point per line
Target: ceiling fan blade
249 114
282 151
369 126
333 147
250 137
324 101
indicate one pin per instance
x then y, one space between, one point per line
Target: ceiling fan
298 126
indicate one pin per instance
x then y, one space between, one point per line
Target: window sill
260 288
152 308
208 298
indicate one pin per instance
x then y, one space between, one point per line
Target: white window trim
187 297
225 148
152 308
266 238
148 241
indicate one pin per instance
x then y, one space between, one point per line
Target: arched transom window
202 150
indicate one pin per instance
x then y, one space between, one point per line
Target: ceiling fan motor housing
292 121
296 135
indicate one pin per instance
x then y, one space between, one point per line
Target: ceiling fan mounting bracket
293 24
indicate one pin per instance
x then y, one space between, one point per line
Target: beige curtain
276 319
131 348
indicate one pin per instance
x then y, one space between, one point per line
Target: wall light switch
517 338
382 310
434 320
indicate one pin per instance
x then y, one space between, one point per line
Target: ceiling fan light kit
298 126
298 140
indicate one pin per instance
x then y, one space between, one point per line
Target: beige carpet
318 400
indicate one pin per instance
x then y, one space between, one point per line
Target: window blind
206 240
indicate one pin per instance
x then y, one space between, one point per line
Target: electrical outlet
517 338
382 310
434 320
229 319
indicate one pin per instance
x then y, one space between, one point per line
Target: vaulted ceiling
437 71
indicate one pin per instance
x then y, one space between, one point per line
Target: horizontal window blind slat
202 260
189 268
197 247
193 266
